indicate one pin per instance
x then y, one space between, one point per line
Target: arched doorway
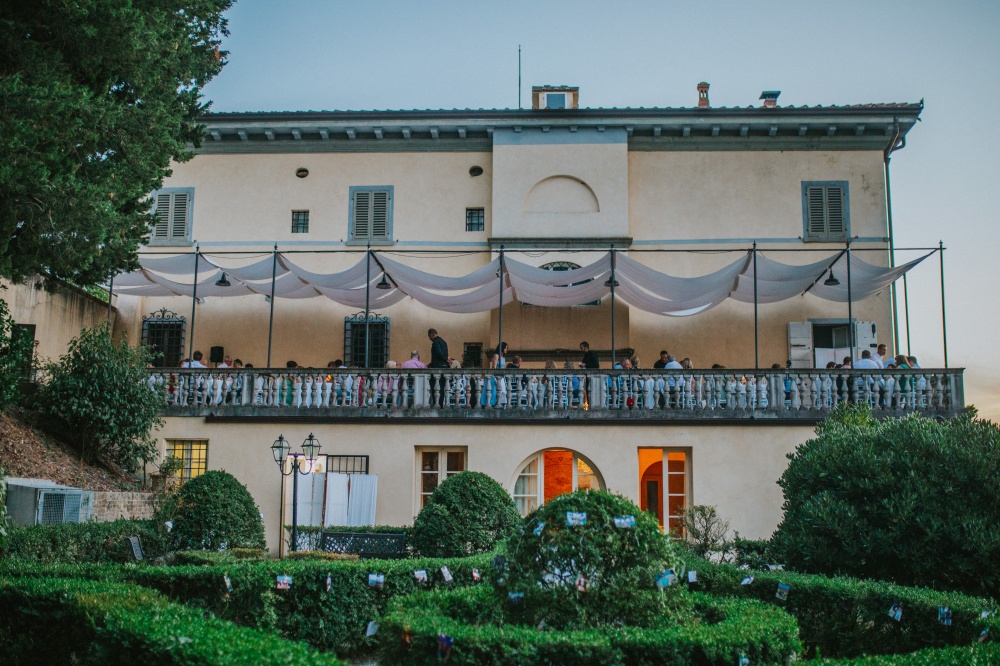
549 473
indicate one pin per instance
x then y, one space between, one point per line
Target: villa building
315 236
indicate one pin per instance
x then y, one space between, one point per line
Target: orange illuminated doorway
550 473
667 499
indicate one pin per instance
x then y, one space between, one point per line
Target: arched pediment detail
561 194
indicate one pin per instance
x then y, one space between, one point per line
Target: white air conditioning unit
41 502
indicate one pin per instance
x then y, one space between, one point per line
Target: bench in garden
379 545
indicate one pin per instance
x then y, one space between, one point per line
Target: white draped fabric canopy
509 280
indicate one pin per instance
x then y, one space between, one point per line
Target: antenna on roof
518 77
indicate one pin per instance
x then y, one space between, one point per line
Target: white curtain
361 502
310 499
336 499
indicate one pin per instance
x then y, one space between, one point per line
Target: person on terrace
439 350
196 362
499 359
414 361
590 360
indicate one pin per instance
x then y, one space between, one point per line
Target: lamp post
310 452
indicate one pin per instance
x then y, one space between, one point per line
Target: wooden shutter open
815 212
162 227
836 227
380 215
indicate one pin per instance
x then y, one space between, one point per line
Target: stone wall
110 506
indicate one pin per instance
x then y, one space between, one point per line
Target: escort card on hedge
782 592
747 580
743 660
284 582
228 582
666 579
984 635
476 576
376 580
896 611
515 600
372 628
444 647
420 575
692 577
538 528
944 615
576 518
624 522
329 582
446 574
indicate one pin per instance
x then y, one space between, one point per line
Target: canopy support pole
944 316
892 257
613 352
906 307
368 291
194 301
111 294
270 322
850 307
756 331
500 327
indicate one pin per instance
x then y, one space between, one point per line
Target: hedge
847 617
48 621
84 542
331 621
474 621
974 655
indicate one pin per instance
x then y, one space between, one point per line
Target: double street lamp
310 452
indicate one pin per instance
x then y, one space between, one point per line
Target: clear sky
337 55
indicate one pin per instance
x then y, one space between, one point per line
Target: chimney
770 98
703 95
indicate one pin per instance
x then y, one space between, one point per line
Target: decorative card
624 522
944 615
284 582
538 528
782 592
376 580
576 518
896 611
446 574
420 575
747 580
229 583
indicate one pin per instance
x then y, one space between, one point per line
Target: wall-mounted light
301 172
476 171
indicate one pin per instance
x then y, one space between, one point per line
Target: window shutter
362 215
380 214
817 220
162 227
179 215
835 211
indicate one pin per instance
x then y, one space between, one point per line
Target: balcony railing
800 394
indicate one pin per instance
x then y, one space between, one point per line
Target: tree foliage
15 357
98 97
97 398
214 511
910 500
466 514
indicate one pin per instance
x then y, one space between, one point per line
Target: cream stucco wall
58 315
731 467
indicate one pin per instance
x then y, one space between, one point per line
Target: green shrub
726 629
754 553
84 542
214 511
548 560
467 514
910 500
66 621
96 398
333 620
847 617
213 557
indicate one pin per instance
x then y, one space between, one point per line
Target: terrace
541 396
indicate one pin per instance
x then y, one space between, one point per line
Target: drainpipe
894 145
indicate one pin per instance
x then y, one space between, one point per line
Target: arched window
565 266
553 472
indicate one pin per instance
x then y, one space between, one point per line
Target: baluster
297 392
217 392
741 393
307 390
796 399
762 392
719 384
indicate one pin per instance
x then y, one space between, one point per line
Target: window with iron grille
347 464
163 331
475 219
173 208
355 347
300 221
825 211
472 355
370 216
194 454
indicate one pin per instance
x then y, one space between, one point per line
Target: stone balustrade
802 394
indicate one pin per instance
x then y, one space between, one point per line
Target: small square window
475 219
300 221
555 100
193 453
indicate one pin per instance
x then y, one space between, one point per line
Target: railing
804 394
